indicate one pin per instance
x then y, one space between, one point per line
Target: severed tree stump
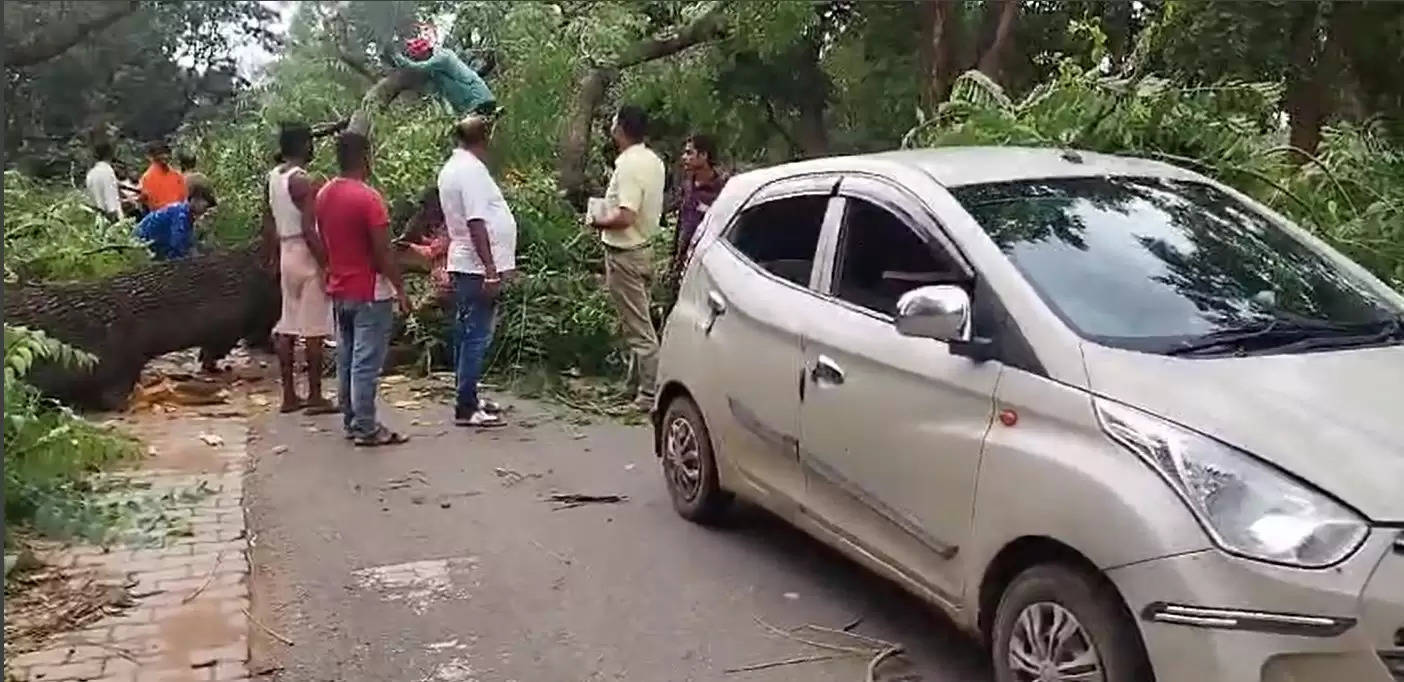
210 302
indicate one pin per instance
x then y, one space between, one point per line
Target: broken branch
209 577
788 661
267 629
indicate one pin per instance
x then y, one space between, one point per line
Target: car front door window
890 450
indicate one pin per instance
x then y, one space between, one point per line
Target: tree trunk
43 46
209 302
992 59
1116 18
1308 100
940 48
575 138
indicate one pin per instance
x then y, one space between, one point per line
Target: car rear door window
781 236
880 258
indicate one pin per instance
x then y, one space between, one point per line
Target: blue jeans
473 323
362 340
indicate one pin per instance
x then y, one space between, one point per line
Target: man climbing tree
457 84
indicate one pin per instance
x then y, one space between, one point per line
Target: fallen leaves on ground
45 601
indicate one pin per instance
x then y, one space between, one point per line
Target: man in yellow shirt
634 203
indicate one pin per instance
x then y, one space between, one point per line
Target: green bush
51 233
50 451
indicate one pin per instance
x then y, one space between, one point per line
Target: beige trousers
627 275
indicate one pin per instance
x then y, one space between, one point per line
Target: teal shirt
459 85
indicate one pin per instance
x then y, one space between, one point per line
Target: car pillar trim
1241 619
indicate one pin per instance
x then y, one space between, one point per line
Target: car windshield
1154 264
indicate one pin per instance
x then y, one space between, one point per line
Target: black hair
704 144
633 121
186 159
472 131
200 191
294 139
352 150
157 147
103 150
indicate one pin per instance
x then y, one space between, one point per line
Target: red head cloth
418 49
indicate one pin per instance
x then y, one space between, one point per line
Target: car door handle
716 303
826 371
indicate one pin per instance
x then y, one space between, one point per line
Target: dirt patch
193 630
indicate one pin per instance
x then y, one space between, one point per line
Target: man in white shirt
482 251
102 182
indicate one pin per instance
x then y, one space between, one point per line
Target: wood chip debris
511 477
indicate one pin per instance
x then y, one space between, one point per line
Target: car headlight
1246 506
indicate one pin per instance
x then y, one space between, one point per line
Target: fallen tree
209 302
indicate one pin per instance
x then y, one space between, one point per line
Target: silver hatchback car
1118 420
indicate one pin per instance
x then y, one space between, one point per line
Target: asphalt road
441 560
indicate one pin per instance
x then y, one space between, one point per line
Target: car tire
689 464
1045 595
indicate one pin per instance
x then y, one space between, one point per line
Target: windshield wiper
1382 331
1284 334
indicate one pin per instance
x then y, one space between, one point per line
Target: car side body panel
1054 474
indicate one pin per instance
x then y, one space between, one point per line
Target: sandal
382 436
323 406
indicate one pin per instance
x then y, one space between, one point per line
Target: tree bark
940 48
1309 103
992 60
49 44
575 138
210 302
381 95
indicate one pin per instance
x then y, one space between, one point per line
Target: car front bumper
1208 616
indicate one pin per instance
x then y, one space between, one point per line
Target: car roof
957 166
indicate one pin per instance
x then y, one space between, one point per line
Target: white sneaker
480 419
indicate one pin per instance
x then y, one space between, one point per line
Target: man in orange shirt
161 185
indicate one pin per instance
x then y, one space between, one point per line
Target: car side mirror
942 312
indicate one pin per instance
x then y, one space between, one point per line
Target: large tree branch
575 138
707 26
43 46
355 64
381 95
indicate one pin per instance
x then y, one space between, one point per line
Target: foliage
51 233
140 77
50 451
1352 195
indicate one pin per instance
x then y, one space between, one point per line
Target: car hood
1335 419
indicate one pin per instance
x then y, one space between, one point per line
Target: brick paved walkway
189 620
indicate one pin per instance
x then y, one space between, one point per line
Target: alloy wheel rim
1049 644
682 458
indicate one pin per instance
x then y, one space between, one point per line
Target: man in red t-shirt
363 280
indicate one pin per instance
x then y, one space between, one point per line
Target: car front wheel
689 466
1060 623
